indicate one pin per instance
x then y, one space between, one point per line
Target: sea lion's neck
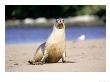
57 35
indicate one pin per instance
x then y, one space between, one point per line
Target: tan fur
54 48
54 52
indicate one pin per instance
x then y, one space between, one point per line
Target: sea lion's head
59 23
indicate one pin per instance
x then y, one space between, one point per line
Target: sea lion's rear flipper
31 62
35 63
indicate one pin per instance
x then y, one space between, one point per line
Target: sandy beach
86 56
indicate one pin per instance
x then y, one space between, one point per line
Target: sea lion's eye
57 20
63 20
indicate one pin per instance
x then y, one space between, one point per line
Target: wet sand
85 56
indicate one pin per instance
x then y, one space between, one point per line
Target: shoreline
40 42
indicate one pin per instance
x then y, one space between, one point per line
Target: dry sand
87 56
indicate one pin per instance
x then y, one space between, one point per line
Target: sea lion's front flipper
45 55
64 57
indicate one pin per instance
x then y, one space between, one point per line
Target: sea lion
54 48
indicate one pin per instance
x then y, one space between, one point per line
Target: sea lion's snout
60 23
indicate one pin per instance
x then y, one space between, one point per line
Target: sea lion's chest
55 52
55 46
